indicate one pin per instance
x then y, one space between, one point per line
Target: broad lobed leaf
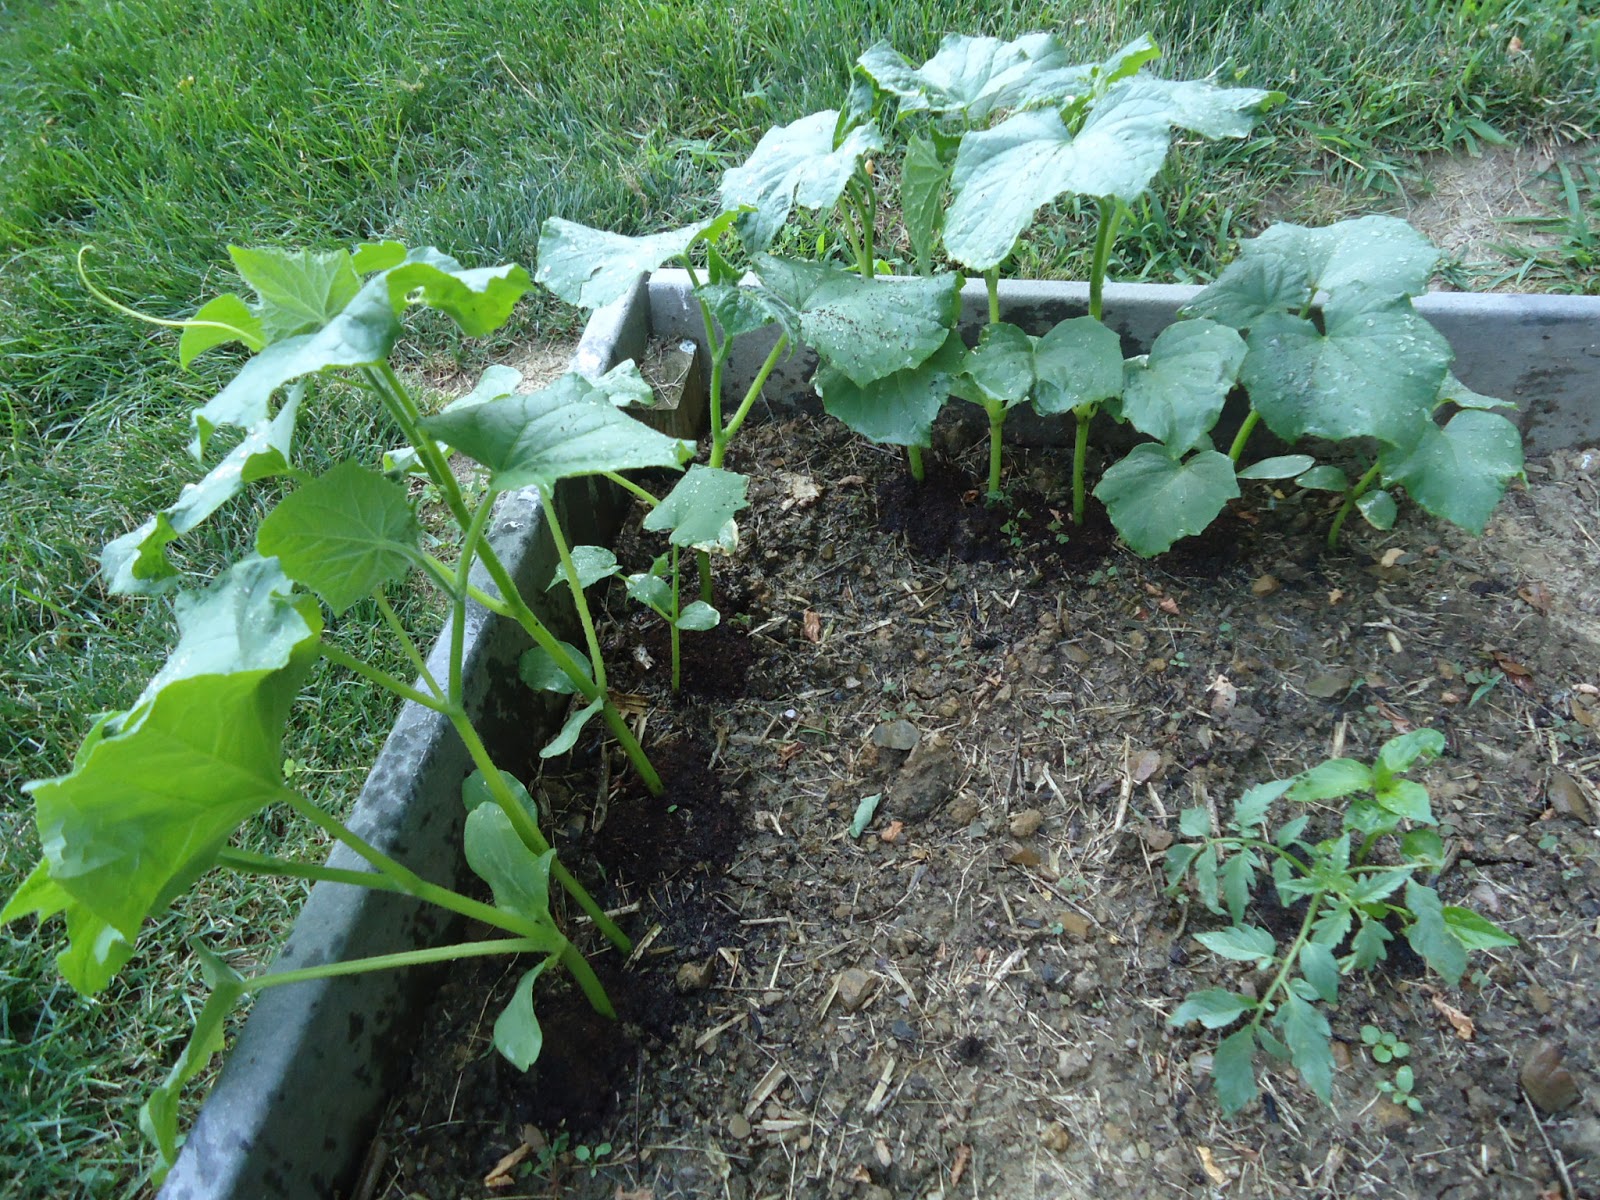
1154 498
794 164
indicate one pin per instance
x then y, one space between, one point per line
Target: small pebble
695 977
738 1127
855 988
896 735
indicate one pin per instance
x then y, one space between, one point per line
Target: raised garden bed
980 999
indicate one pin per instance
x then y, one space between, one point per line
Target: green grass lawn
159 131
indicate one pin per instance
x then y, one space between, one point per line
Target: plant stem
867 205
702 562
1290 958
1105 236
719 448
914 462
406 958
579 600
282 868
676 633
407 644
997 419
1080 457
382 678
628 485
1350 499
991 281
1243 436
458 610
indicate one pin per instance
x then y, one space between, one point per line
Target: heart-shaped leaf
899 409
1076 364
1175 393
1154 498
699 509
592 267
794 164
1461 471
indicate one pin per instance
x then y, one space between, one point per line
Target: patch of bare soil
971 998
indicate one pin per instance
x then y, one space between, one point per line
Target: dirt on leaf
971 996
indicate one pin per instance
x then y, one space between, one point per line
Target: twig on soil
1556 1160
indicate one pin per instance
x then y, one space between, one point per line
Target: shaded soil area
971 996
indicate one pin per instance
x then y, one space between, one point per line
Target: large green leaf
299 290
1430 935
156 794
1004 175
794 164
136 563
700 508
1375 372
94 953
1383 256
591 267
1175 392
867 328
361 334
478 300
1077 363
343 535
1154 498
1000 369
977 76
1459 472
899 409
221 320
924 174
538 438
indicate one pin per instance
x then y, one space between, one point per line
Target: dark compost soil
971 997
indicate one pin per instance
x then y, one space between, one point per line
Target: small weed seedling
1353 903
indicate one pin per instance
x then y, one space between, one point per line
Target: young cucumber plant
156 792
1354 900
987 135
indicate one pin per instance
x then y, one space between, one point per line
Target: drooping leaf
158 1117
1154 498
478 300
1003 175
1378 508
1320 970
518 878
1076 364
94 953
1214 1008
651 590
1238 878
592 563
1175 393
300 290
794 164
900 408
1325 478
368 257
623 385
1374 372
1310 1041
1000 369
475 791
1369 946
538 670
568 737
592 267
343 535
517 1033
1206 874
1242 943
1430 936
566 429
698 510
136 563
698 616
158 790
1233 1072
866 328
1459 472
924 175
221 320
1453 391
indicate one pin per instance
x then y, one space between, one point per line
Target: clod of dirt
1549 1084
855 988
926 783
1567 799
1026 823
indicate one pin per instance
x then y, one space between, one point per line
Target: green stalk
914 462
1350 499
677 634
1105 236
1243 436
991 281
382 678
867 207
1289 959
702 563
1080 457
719 448
282 868
458 598
628 485
406 958
997 419
407 644
579 600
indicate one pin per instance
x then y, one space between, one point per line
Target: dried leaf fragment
1169 606
500 1176
811 626
1144 765
1459 1021
958 1168
1265 585
1208 1164
1537 597
1391 556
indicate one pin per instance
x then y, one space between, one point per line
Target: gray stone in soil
896 735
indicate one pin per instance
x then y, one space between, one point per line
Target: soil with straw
971 997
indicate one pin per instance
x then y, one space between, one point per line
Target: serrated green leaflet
1154 498
343 535
1430 936
361 334
1212 1007
1332 779
299 290
147 806
794 164
1306 1033
898 409
1320 970
1252 807
220 320
1242 943
699 509
866 328
1076 364
539 438
1238 876
1175 392
517 1032
1233 1072
136 563
1004 175
1472 931
1373 373
1459 472
590 267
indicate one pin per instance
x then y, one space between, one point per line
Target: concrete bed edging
303 1088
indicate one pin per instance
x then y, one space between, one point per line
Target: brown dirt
974 1007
